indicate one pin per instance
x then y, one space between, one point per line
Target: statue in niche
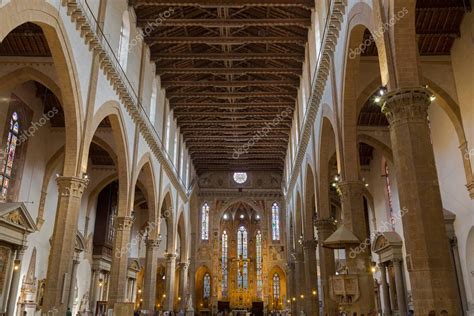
84 307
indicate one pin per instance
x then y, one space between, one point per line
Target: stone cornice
120 84
23 60
328 47
265 194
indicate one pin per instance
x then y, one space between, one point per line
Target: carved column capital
325 224
20 251
71 186
183 265
170 257
152 243
348 188
123 223
407 104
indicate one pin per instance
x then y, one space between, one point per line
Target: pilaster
62 247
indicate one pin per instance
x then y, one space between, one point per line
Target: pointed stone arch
309 204
146 176
45 15
112 111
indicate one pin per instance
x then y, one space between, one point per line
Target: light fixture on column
336 180
226 217
242 216
300 239
16 267
373 267
302 296
380 93
139 291
432 98
314 292
257 217
85 176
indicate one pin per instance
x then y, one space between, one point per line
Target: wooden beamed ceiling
230 68
438 24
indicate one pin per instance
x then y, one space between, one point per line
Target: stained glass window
259 264
176 143
224 264
275 221
124 41
8 155
205 222
168 132
389 196
242 255
207 286
276 288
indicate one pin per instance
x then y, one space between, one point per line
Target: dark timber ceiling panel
229 67
26 40
438 24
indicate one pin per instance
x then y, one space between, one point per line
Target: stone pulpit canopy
388 246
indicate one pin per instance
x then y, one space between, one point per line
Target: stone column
183 283
358 257
94 296
72 288
311 272
457 264
299 282
327 265
119 268
428 258
385 294
170 280
15 281
62 246
402 305
151 266
192 280
290 281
